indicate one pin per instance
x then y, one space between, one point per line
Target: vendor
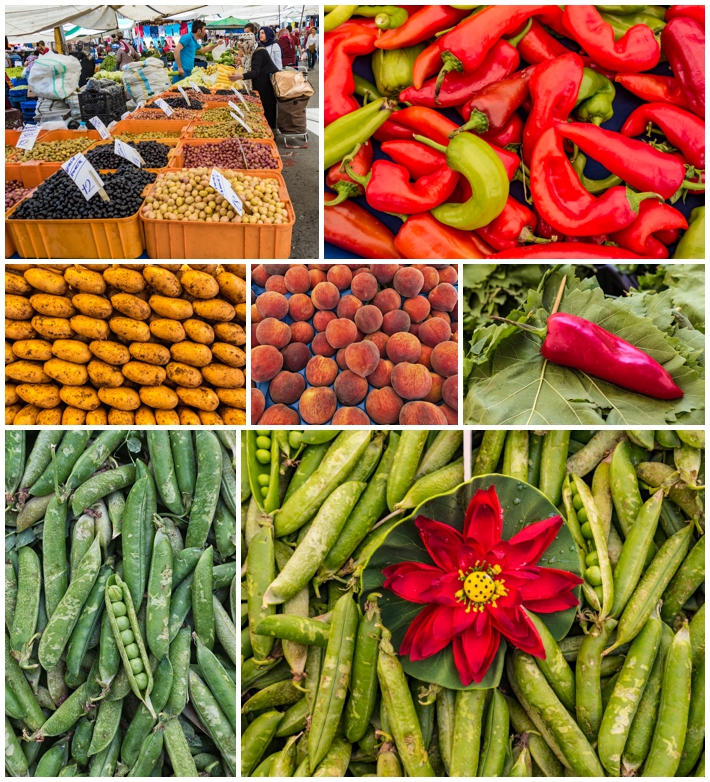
187 47
86 61
261 68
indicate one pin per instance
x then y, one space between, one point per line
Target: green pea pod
220 684
335 763
228 486
404 467
40 456
534 458
225 629
277 694
445 714
425 710
515 454
16 682
666 438
285 763
489 453
184 563
468 730
14 461
32 512
308 463
24 624
158 596
81 741
150 751
115 582
207 487
185 463
298 629
601 492
259 472
495 737
93 457
314 662
602 444
294 719
693 437
66 715
552 464
88 621
440 482
161 459
100 485
554 667
178 749
367 465
259 576
54 554
10 594
540 751
66 454
13 708
106 725
245 485
216 723
658 475
697 636
642 437
688 463
695 734
588 696
104 762
15 760
688 578
134 538
440 453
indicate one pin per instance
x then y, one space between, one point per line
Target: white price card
184 95
99 125
222 186
164 106
233 105
140 104
235 90
241 98
125 151
194 86
85 176
241 122
28 137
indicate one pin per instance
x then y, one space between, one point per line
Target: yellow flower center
480 587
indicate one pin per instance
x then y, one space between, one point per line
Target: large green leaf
522 505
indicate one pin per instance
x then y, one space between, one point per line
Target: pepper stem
526 235
344 190
451 63
516 39
478 123
430 143
542 333
635 199
361 180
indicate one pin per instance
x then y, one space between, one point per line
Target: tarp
230 21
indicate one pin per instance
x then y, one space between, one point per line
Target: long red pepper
696 12
457 88
638 164
352 228
426 65
421 25
338 180
537 45
393 131
417 158
423 236
684 130
510 133
515 224
341 47
492 107
566 251
683 41
552 17
554 88
561 199
653 218
637 50
650 87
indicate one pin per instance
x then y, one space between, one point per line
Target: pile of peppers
482 131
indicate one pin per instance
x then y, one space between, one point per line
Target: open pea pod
263 476
116 582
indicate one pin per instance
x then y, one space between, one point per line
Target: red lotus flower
478 586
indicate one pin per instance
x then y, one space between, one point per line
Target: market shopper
86 61
187 47
261 66
312 48
267 39
125 54
289 56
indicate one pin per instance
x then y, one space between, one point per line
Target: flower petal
515 625
527 546
443 590
410 579
419 641
548 584
551 605
441 541
484 519
475 649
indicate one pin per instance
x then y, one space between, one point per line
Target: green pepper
622 24
596 94
387 17
336 17
365 89
393 68
692 243
341 136
476 160
593 185
621 10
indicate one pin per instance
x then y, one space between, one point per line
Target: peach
434 396
340 333
431 276
322 318
380 339
296 356
273 332
325 296
414 329
411 381
362 358
254 340
450 392
276 284
279 415
272 305
384 272
348 306
266 362
258 403
259 275
381 377
256 316
408 281
441 315
340 276
316 276
297 280
350 416
425 356
364 285
350 388
317 405
445 358
300 307
455 318
403 347
321 347
368 319
422 414
383 405
322 267
434 331
276 268
452 417
443 297
302 332
321 371
396 320
448 274
286 388
386 300
417 308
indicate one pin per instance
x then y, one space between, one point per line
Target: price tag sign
241 122
28 137
85 177
194 86
99 125
125 151
164 106
140 104
184 95
236 108
241 99
222 186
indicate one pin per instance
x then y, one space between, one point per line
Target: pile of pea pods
324 692
120 603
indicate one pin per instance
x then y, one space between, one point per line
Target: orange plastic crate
170 142
9 244
191 130
34 172
144 125
178 159
182 239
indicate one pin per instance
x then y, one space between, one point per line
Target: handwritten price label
28 137
84 176
99 125
241 122
194 86
239 94
164 106
222 186
184 95
125 151
236 108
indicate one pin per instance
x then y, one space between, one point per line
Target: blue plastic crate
17 101
28 105
19 82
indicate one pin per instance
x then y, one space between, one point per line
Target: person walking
312 47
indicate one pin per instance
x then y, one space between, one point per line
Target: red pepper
696 12
338 180
427 64
589 63
552 17
574 342
697 176
393 131
457 88
423 236
341 47
423 24
683 41
554 88
537 45
684 130
510 133
653 217
561 199
515 224
427 122
388 189
352 228
544 229
658 89
599 239
417 158
492 107
637 50
566 250
667 237
638 164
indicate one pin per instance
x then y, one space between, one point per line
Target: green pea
123 623
593 575
263 432
132 651
119 609
127 637
577 502
115 594
582 514
599 592
263 456
263 443
262 479
141 681
592 559
137 665
294 439
587 531
264 491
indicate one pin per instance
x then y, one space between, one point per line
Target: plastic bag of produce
54 76
145 78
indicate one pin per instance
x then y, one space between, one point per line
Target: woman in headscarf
267 39
289 56
261 66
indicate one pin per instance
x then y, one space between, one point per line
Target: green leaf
522 505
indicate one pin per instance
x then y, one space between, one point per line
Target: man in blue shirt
187 47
